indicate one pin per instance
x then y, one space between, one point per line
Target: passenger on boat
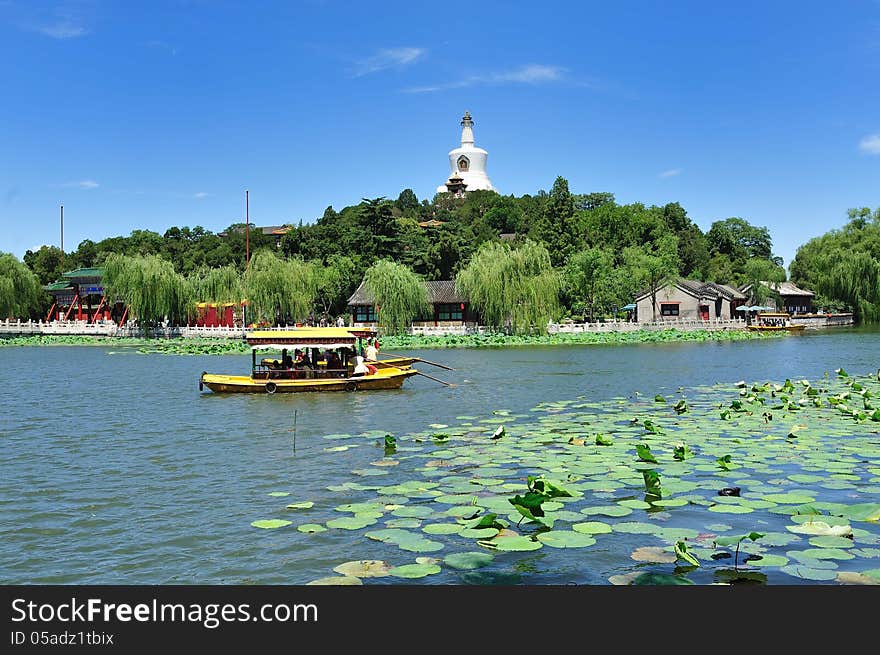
334 364
371 352
359 368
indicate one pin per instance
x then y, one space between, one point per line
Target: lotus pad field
753 482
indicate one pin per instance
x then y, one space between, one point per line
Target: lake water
116 469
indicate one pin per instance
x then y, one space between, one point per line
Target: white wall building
468 161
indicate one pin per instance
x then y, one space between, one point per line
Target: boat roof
330 337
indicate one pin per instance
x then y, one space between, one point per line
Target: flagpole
62 238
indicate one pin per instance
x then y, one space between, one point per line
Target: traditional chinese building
79 296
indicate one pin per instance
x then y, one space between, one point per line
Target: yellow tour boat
774 322
323 359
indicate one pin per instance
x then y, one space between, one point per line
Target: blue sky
154 114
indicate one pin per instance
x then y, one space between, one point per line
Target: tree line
520 260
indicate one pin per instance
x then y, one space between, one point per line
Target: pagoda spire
467 130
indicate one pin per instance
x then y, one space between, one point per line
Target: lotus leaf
653 554
591 527
414 570
441 528
364 568
311 528
350 523
270 524
831 542
468 560
337 580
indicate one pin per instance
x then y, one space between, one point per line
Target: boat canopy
309 337
323 345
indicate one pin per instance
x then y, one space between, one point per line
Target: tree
653 268
150 286
739 239
591 201
377 218
334 283
843 266
517 288
46 263
407 202
21 294
587 275
279 290
218 285
763 277
556 227
400 295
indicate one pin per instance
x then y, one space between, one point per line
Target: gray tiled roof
704 290
784 289
439 291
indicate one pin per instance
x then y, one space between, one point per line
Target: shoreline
217 346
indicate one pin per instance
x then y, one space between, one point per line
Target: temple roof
439 291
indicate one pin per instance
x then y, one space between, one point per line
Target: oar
419 359
448 384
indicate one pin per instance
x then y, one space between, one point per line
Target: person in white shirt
371 352
360 368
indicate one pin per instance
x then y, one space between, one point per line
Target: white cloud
82 184
870 144
200 195
388 58
672 172
62 30
528 74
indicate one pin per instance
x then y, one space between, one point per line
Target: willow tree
20 292
400 295
763 277
150 287
279 290
218 285
855 280
514 287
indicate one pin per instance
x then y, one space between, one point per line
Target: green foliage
644 453
513 287
587 275
399 294
603 440
151 288
46 263
652 483
21 294
279 290
681 452
653 267
218 285
843 266
539 491
681 552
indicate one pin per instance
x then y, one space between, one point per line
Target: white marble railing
110 329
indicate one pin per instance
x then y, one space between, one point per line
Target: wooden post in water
294 430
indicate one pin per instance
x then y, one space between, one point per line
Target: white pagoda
467 163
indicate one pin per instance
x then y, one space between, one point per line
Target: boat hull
383 379
776 328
